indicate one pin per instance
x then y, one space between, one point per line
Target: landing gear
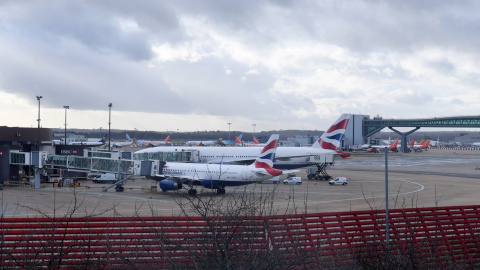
119 188
321 173
192 192
220 191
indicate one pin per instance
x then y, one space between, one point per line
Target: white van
105 178
293 180
338 181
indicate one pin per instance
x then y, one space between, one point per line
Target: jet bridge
145 166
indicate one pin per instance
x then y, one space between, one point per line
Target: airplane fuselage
87 143
285 158
215 174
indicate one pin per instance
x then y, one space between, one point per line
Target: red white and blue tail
332 138
267 156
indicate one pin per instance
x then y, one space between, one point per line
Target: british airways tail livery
218 176
332 138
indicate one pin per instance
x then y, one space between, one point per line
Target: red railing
433 236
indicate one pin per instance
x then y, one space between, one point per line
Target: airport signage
69 150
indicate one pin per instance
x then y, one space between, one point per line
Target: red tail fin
237 139
422 142
167 139
412 142
426 144
255 140
394 145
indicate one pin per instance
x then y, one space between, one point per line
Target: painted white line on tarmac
422 187
111 194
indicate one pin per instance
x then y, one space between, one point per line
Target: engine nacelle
169 184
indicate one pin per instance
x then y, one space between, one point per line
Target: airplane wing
183 179
289 171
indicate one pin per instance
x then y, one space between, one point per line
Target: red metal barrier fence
440 237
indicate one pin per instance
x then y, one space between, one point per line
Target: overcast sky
198 65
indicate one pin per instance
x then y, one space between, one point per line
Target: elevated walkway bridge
372 126
102 162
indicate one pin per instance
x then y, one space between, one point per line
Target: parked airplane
255 142
201 143
99 143
149 143
426 145
219 142
377 148
322 152
128 142
417 147
219 176
222 142
476 144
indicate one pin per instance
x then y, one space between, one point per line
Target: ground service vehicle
338 181
293 181
105 178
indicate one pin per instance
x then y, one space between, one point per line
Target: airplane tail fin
426 144
167 139
104 138
412 142
255 140
238 140
394 145
332 138
128 137
267 156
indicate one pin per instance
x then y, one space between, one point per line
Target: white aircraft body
476 144
128 142
218 176
99 143
200 143
321 152
150 143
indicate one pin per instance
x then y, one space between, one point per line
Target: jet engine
169 184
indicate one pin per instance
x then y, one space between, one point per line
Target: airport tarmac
430 178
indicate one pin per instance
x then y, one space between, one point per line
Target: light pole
109 122
66 108
229 130
254 125
387 231
38 119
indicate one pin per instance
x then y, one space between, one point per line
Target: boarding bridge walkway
103 164
96 163
372 126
